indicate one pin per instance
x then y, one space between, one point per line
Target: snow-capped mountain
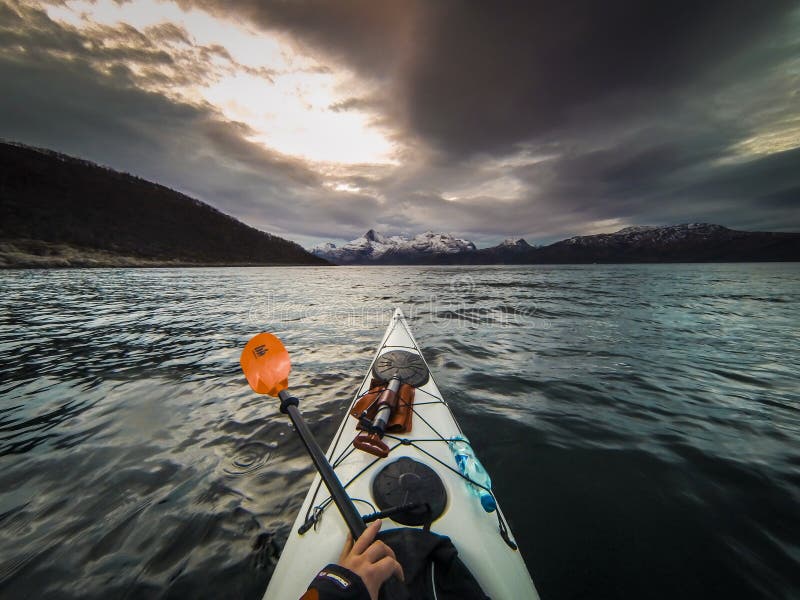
690 242
515 245
374 247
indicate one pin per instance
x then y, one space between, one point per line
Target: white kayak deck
499 569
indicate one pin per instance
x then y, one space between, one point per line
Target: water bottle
471 467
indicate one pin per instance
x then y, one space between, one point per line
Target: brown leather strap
403 413
402 419
372 444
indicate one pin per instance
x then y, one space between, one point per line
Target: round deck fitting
407 366
407 481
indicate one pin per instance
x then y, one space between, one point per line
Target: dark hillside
49 201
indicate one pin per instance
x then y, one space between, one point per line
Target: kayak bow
405 475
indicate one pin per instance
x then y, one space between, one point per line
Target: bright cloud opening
257 78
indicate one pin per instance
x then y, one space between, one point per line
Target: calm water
641 423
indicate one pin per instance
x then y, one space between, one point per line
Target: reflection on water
640 423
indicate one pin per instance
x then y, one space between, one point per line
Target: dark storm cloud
640 104
495 76
666 182
371 36
482 76
517 118
743 185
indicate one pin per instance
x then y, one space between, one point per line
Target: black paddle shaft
392 589
343 502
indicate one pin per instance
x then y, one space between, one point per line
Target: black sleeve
334 582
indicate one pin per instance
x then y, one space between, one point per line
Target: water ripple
248 458
640 422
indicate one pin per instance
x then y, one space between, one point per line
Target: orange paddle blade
266 364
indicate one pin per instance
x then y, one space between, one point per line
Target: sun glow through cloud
256 78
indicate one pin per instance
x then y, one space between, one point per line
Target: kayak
420 468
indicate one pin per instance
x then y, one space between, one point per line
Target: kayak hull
498 567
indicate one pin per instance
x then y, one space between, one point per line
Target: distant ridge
689 242
61 211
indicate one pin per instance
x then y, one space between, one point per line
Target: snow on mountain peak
515 243
438 243
374 245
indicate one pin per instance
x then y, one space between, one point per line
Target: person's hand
373 561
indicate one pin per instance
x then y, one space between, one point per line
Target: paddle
266 366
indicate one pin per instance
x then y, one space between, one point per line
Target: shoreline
17 254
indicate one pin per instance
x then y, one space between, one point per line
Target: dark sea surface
641 423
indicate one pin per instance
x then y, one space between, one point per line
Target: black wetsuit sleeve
334 582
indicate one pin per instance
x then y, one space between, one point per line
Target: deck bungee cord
314 514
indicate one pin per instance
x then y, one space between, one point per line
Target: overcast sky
319 120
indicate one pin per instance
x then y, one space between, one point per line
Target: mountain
692 242
375 248
509 251
56 210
